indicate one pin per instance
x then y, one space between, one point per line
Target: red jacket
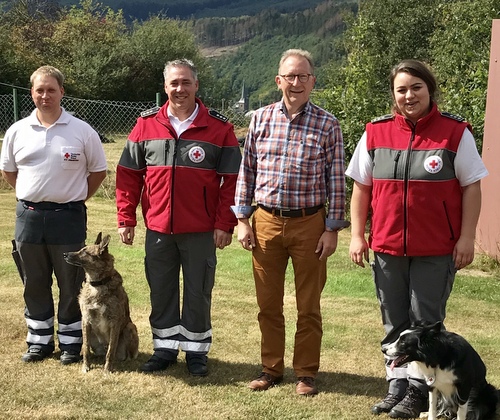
184 184
416 197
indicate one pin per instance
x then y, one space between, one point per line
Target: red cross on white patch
196 154
433 164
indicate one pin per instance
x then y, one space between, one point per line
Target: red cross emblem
196 154
433 164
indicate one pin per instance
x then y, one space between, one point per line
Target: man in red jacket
180 162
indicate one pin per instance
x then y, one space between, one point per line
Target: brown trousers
278 239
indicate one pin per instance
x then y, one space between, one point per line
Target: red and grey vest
416 197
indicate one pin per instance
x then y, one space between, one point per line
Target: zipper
174 160
406 179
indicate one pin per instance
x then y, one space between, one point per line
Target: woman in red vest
417 173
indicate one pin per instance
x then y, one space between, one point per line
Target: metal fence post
158 99
15 100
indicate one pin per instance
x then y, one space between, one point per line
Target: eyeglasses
290 78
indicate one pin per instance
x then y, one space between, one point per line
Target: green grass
351 377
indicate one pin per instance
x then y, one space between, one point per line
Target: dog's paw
85 368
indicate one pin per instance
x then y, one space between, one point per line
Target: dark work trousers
410 289
44 232
188 327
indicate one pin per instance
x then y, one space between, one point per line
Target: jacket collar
406 124
199 121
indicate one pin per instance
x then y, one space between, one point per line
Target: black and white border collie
452 369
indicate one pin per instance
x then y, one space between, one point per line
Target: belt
308 211
49 205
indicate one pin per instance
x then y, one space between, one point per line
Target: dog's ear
105 242
436 327
98 239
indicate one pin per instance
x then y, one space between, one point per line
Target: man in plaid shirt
292 176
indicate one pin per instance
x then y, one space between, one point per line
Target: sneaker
386 405
156 363
413 403
306 386
197 364
70 356
264 382
34 354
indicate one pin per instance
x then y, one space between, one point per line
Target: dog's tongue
396 362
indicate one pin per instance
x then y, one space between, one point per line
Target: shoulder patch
216 114
383 118
150 111
452 116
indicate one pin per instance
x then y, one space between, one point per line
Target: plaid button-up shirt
293 164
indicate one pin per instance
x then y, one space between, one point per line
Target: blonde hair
48 71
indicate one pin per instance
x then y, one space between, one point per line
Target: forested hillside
323 21
262 39
188 9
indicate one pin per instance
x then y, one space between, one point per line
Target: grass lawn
351 377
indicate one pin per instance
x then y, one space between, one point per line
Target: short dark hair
417 69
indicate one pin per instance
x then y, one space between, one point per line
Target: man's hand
127 234
222 239
327 244
245 234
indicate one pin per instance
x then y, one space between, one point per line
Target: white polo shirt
53 163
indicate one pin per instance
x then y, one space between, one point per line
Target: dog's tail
483 402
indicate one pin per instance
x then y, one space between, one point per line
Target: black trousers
44 232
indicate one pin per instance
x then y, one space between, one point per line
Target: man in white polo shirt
55 162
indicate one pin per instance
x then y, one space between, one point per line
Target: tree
27 28
150 46
379 36
86 47
460 49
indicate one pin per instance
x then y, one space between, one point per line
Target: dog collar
100 282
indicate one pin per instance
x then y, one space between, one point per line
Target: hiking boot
156 363
34 354
70 356
264 382
386 405
413 403
305 386
197 364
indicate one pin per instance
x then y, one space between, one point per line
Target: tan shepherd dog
106 323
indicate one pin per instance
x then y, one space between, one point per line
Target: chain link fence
110 119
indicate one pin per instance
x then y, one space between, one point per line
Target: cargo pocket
209 280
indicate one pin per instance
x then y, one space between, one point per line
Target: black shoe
197 364
413 403
155 364
34 354
386 405
70 356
